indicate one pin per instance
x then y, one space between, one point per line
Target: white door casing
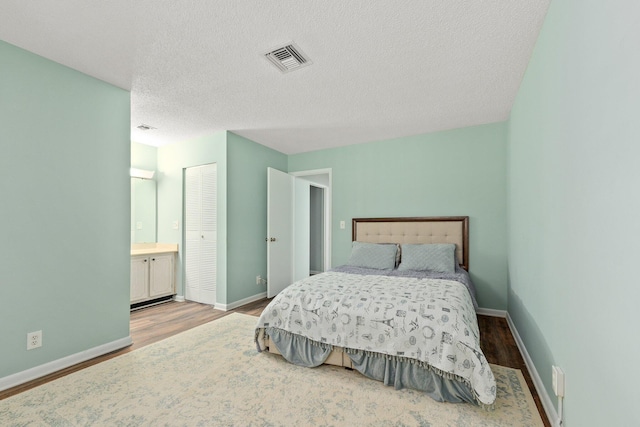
322 178
302 229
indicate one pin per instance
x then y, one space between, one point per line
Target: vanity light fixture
141 173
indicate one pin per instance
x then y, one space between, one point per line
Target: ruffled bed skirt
392 371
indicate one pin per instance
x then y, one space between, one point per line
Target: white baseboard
491 312
547 404
236 304
59 364
178 298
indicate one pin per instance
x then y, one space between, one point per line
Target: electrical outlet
557 381
258 280
34 340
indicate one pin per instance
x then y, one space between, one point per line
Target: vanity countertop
153 248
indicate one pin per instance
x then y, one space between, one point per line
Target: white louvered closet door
201 233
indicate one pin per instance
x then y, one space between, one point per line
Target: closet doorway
200 233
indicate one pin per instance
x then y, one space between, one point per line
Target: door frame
327 207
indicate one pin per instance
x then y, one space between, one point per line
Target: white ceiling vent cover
288 58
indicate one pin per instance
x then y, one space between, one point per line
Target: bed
401 311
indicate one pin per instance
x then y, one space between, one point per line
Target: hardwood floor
499 347
147 326
156 323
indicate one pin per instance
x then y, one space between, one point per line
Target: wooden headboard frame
443 229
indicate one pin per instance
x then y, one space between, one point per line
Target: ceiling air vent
288 58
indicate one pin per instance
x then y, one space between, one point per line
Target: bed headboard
444 229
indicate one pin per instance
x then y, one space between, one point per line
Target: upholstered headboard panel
448 229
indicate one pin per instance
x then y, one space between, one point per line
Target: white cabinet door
139 278
161 275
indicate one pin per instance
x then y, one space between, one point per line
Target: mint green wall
64 138
457 172
144 156
247 214
574 157
172 160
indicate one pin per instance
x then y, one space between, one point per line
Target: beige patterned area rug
212 375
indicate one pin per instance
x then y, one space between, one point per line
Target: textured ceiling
381 69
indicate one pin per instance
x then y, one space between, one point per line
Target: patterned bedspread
428 321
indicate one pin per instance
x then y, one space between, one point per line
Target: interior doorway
289 226
320 218
316 230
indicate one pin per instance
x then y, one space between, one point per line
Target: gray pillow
380 256
440 257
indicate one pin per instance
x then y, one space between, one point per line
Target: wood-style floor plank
155 323
499 347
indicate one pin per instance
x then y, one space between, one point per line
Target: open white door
279 231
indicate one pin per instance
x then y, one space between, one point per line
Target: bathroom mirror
143 210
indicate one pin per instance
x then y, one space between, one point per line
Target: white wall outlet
175 224
342 225
34 340
557 381
258 280
139 225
